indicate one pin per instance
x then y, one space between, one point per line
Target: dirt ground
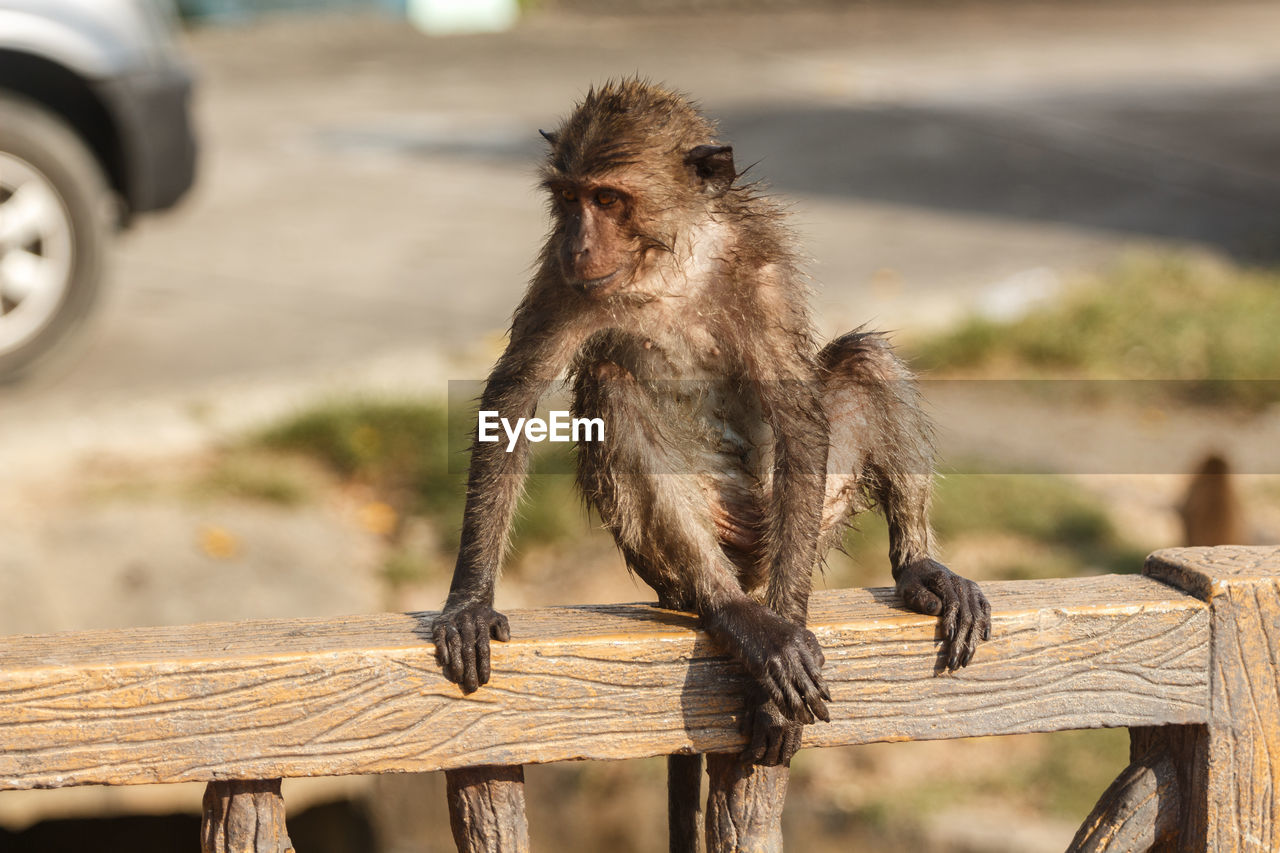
365 218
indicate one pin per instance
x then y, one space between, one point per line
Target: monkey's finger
981 622
482 657
792 705
813 669
950 615
790 744
470 680
962 645
772 753
807 690
986 616
815 649
773 691
453 641
811 690
442 650
818 707
964 650
811 706
500 629
970 643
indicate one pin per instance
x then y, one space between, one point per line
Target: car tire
54 233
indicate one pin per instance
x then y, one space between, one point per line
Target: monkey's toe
774 739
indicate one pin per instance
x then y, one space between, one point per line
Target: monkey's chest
730 457
712 412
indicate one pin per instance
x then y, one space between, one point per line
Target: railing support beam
244 817
1214 786
744 805
486 809
1233 801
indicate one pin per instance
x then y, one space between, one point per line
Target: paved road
366 211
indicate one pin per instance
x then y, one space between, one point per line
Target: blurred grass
255 476
400 450
1153 317
1051 527
1057 774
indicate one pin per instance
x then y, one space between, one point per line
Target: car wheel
54 231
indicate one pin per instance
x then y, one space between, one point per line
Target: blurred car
94 128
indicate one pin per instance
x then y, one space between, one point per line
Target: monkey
670 294
1210 510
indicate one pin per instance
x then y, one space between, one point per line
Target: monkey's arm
794 412
774 639
784 374
879 429
539 348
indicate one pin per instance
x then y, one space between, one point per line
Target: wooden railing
1186 655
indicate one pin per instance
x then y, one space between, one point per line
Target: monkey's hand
783 658
461 635
927 586
774 738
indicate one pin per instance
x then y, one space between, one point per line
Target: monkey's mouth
598 285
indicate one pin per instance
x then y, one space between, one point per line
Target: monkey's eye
604 198
569 194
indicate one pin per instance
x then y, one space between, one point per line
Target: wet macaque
735 450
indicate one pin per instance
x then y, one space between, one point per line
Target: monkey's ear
713 165
548 135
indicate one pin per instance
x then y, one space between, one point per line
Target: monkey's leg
644 480
648 480
881 446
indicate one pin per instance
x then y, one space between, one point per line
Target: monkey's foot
774 738
461 636
927 586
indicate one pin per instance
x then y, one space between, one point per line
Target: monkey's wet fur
735 450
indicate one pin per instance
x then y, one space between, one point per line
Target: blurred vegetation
1059 775
1208 325
400 451
256 476
1049 525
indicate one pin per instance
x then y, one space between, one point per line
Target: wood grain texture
1208 572
244 817
487 809
1180 821
1239 789
308 697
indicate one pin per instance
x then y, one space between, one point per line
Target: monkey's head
632 168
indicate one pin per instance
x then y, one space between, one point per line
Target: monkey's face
598 253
